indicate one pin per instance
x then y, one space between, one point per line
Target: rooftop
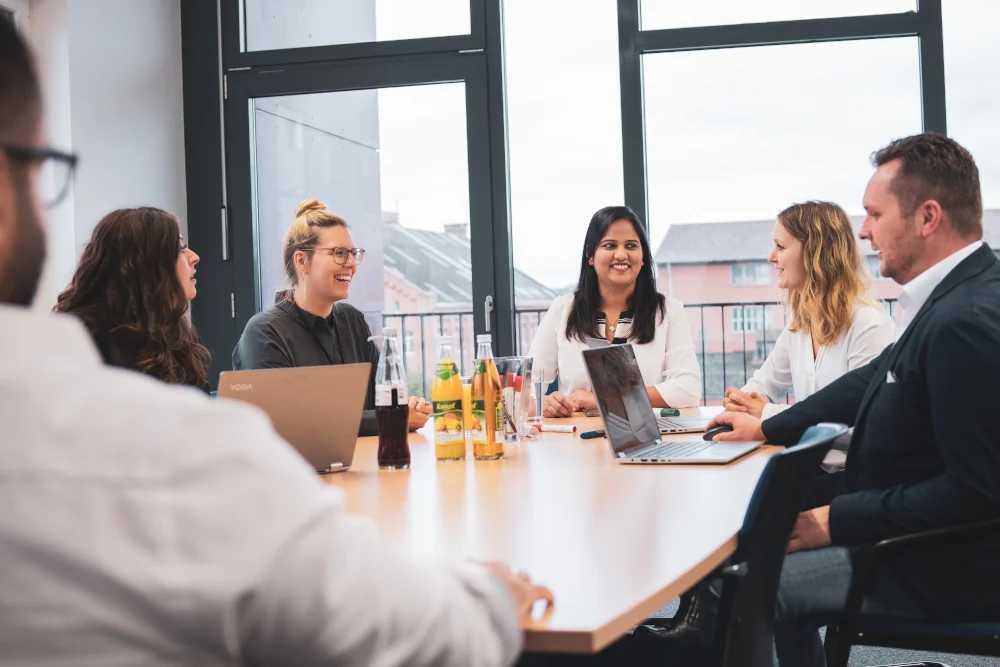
706 242
439 263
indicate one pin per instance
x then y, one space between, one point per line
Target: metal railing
727 354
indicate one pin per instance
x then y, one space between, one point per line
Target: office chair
854 627
742 633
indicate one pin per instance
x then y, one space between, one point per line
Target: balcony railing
731 340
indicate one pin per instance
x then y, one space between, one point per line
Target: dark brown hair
126 283
20 94
932 166
648 305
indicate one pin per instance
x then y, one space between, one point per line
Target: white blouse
667 362
791 363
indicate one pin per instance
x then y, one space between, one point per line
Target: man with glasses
145 524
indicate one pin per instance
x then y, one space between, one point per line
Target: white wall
111 72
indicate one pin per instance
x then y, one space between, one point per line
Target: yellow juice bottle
487 406
446 396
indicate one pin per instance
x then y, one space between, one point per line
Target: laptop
666 424
317 409
629 424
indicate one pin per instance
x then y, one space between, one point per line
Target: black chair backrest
744 628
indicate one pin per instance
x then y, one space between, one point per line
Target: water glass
513 371
538 387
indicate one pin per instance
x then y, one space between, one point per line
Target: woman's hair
310 216
126 285
836 277
646 303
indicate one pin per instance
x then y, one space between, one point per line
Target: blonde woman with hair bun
835 326
312 324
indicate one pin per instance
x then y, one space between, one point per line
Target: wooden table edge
542 640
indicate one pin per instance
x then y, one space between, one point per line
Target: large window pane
658 14
972 72
286 24
735 136
394 163
564 122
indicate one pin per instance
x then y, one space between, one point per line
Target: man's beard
19 278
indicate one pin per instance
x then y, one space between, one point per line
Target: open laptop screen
621 397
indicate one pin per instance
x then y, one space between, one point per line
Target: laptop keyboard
673 449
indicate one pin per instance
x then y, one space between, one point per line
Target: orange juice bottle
487 405
446 396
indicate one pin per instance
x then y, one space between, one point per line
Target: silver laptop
317 409
629 424
666 424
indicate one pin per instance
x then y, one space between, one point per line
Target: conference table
613 542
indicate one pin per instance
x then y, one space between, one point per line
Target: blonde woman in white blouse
835 327
616 299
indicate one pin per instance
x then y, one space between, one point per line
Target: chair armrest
861 578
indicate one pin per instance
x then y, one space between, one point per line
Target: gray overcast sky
731 135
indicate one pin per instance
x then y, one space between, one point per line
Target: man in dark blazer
926 447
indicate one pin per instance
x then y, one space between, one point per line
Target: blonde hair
310 216
836 277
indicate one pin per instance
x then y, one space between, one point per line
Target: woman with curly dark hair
131 290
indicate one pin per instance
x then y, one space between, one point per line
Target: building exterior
720 271
428 294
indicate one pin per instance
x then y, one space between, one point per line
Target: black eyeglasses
57 169
340 255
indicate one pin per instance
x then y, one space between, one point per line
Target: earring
591 261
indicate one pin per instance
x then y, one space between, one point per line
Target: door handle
488 307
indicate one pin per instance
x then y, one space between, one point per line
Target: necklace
612 327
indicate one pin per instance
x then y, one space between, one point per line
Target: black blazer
926 446
282 337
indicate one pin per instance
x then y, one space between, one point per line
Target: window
750 273
972 67
735 135
873 264
286 24
747 319
565 138
657 14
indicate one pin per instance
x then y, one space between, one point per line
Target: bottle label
446 370
448 426
383 394
486 422
478 426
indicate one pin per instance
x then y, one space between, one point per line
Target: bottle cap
484 338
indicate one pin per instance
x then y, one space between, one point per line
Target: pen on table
556 428
592 434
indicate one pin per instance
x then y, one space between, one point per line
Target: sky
736 134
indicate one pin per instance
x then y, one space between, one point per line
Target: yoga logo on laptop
241 387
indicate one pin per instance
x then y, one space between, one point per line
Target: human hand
744 426
420 410
812 530
523 591
750 402
558 405
584 400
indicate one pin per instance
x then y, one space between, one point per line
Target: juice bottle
446 395
487 406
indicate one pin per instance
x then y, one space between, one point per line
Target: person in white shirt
147 524
835 327
616 299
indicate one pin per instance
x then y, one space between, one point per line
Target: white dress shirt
150 525
791 364
667 362
919 289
